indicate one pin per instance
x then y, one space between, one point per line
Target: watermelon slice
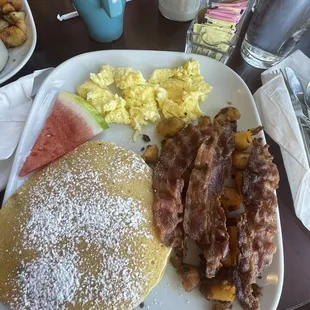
72 122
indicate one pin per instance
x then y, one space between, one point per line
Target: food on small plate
13 29
16 4
79 234
3 24
202 177
13 36
17 19
169 93
4 55
8 8
72 122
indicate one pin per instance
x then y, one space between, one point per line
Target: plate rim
279 244
32 47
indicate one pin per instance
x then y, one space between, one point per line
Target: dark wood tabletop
146 28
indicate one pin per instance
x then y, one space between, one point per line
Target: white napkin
15 103
278 118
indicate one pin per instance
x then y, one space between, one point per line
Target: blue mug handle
113 8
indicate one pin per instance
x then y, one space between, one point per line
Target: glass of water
275 28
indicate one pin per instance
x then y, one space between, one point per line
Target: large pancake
80 234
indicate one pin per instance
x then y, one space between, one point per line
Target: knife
297 89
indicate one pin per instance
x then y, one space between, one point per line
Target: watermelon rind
79 100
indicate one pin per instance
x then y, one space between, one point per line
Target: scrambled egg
161 75
169 92
112 106
105 77
127 77
86 87
142 105
182 90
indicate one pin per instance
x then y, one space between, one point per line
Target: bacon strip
257 226
170 178
204 218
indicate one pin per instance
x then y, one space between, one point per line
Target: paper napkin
279 120
15 103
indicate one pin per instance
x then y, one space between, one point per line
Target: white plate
227 86
19 56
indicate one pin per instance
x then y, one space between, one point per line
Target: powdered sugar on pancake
72 215
47 282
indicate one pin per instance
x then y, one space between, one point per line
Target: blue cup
103 18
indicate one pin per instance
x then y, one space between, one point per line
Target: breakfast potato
223 291
3 24
218 291
22 26
232 113
17 4
13 37
230 199
17 16
150 155
240 160
3 2
243 140
8 8
190 277
204 120
17 19
169 127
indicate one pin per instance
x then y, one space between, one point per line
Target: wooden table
146 28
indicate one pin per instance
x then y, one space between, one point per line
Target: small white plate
227 86
19 56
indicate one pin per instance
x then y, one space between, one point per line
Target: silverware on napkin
296 93
297 89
